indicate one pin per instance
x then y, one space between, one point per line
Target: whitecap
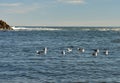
35 29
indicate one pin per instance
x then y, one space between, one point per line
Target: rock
4 26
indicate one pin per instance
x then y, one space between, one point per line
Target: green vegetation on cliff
4 26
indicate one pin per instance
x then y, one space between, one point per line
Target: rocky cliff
4 26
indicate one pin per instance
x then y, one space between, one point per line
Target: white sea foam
65 29
108 29
100 29
35 29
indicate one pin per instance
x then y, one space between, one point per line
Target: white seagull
95 53
97 50
106 52
63 52
44 51
81 49
69 49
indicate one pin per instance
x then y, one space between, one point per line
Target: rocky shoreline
4 26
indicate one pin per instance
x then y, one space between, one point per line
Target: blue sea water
19 62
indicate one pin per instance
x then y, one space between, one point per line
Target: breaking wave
34 29
18 28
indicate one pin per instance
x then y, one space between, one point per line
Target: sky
60 12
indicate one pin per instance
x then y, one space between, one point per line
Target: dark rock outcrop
4 26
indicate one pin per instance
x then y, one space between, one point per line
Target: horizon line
70 25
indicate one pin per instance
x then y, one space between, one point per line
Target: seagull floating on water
95 53
44 51
97 50
106 52
63 52
69 49
81 49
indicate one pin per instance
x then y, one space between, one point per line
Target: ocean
19 62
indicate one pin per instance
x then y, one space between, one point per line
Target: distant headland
4 26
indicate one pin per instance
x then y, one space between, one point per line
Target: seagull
63 52
81 49
97 50
40 52
44 51
106 52
69 49
95 53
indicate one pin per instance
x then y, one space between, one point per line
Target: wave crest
65 29
34 29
